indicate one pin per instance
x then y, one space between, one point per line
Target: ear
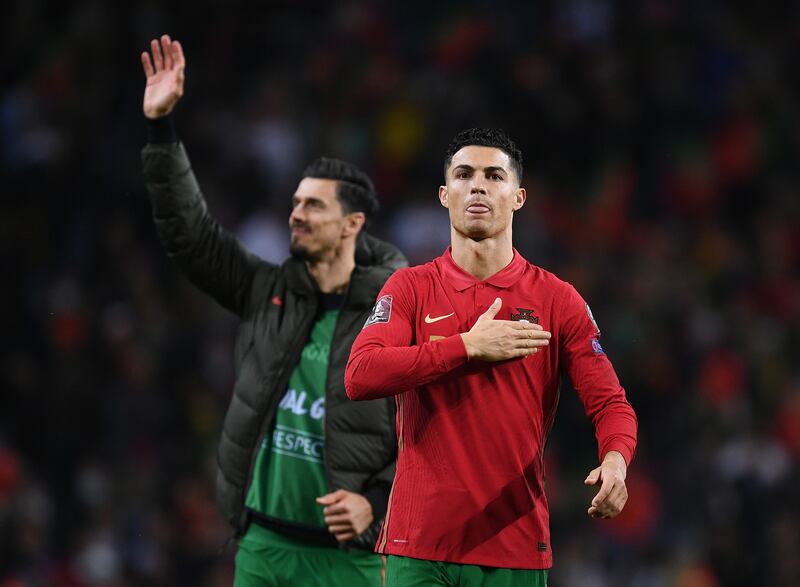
353 223
443 195
519 198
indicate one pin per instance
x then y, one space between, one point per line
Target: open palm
164 77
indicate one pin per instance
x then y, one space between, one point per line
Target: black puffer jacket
277 306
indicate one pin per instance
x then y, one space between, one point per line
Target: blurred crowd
662 151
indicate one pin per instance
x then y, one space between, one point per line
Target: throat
331 277
482 258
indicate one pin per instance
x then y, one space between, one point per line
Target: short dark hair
354 188
486 137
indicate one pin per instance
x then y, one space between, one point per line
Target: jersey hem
535 563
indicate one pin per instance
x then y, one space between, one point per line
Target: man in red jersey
472 345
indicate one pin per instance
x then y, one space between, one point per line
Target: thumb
492 311
593 477
332 497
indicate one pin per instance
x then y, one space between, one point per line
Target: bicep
391 322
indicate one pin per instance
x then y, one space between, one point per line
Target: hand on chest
444 314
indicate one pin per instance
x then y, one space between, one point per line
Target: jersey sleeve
385 359
594 378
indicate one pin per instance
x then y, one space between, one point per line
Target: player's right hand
499 340
164 77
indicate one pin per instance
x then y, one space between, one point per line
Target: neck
482 258
332 273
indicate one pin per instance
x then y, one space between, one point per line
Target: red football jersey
469 486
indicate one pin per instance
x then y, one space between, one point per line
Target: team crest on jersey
591 317
381 312
525 315
597 348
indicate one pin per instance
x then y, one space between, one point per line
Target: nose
478 186
297 213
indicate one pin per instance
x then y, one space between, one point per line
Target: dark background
661 149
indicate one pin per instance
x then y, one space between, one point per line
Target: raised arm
384 361
211 257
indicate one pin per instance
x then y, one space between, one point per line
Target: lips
298 230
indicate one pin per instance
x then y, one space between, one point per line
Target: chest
443 310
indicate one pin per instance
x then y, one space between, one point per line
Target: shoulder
549 280
269 276
416 273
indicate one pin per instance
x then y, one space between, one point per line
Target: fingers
492 311
611 497
522 325
340 528
147 65
617 499
612 505
526 330
344 518
345 536
605 490
166 51
342 532
335 509
158 59
177 54
332 497
166 55
529 342
592 478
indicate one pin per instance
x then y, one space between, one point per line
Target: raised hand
499 340
164 77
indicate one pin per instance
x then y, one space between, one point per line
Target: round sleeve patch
381 312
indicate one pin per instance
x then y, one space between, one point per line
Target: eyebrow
296 199
490 169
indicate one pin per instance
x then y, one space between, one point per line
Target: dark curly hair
486 137
354 188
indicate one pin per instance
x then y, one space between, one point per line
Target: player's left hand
613 494
347 514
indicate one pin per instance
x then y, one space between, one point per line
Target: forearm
210 257
374 371
616 429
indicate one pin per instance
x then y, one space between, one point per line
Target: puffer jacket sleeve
211 257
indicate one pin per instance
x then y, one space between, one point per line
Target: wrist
467 345
616 459
161 130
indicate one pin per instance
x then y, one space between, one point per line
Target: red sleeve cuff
449 352
621 447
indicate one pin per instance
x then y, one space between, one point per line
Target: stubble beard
300 252
475 231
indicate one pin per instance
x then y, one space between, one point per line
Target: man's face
481 192
317 221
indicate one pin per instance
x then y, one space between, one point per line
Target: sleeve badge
381 311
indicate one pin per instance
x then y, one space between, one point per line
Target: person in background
303 474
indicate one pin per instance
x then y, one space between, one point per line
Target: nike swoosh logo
429 320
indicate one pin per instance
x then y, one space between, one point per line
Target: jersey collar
461 280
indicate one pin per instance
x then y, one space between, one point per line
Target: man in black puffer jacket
304 474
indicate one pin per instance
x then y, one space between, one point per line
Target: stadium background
661 143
